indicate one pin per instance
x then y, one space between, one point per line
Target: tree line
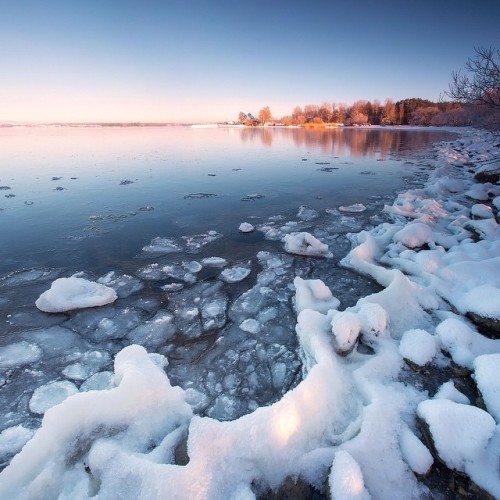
474 94
412 111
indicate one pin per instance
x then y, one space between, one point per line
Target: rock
291 489
490 327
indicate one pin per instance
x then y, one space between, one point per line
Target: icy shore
362 420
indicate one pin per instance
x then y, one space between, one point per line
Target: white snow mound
66 294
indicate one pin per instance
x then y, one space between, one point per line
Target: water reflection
356 142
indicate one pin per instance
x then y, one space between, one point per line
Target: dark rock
492 176
181 456
490 327
292 489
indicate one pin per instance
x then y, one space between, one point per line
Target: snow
483 300
345 328
346 479
487 377
305 244
66 294
271 377
313 294
449 391
414 235
415 453
482 211
417 346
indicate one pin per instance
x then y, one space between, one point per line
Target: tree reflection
341 141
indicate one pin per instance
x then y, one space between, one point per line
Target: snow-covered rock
418 347
345 328
459 432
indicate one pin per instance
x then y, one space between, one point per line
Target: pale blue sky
193 60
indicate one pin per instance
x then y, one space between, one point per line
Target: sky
202 61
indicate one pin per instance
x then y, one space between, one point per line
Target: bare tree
480 84
265 115
480 87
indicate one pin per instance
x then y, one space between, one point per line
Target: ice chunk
51 394
305 244
66 294
214 262
13 439
172 287
246 227
357 207
55 342
250 325
345 327
449 391
313 294
124 285
162 246
195 243
487 376
87 364
19 354
28 276
459 432
307 214
234 274
192 266
106 323
101 381
155 332
415 453
213 312
417 346
346 479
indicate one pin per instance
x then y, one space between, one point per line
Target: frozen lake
154 213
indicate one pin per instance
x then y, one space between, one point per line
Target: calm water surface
91 198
